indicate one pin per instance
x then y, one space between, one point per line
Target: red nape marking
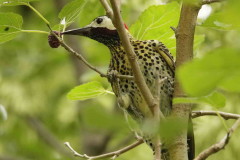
126 26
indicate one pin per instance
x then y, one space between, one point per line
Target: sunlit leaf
92 5
231 83
216 21
58 27
198 40
87 91
155 22
10 26
215 99
71 11
225 19
3 113
14 2
170 128
102 119
201 76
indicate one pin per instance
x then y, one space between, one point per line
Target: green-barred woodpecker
155 62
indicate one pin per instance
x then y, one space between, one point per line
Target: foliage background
35 79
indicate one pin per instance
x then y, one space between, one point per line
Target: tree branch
114 154
220 145
107 8
184 48
80 57
6 157
46 135
138 76
224 115
211 1
152 102
156 117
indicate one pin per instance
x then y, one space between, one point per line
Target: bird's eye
99 20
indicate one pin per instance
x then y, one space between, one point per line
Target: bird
155 62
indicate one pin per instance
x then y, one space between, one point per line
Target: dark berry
53 41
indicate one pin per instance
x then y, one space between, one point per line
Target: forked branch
219 145
224 115
113 155
211 1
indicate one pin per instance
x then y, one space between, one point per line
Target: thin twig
224 115
123 76
64 45
220 145
156 118
211 1
80 57
114 154
107 8
45 135
174 29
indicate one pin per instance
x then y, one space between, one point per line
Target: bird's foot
112 75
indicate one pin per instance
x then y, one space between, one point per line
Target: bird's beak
85 31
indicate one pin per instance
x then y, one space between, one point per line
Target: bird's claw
112 75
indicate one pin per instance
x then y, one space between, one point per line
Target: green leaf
225 19
215 99
14 2
71 11
216 21
92 5
198 40
87 91
155 22
231 83
100 118
170 128
10 26
3 113
201 76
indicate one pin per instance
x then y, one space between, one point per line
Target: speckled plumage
152 64
155 62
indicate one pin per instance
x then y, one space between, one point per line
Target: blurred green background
34 81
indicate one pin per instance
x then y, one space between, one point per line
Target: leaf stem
35 31
223 122
38 13
109 92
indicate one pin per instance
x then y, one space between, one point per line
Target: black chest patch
105 36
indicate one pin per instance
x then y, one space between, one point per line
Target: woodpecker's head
101 29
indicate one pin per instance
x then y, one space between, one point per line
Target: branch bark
114 154
184 39
152 102
211 1
138 76
224 115
46 135
80 57
107 8
220 145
